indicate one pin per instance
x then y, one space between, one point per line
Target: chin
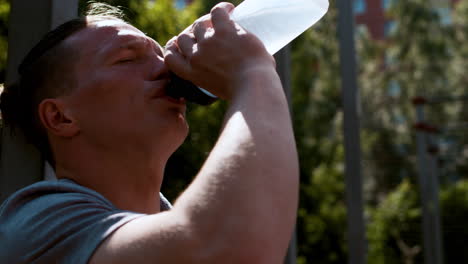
180 135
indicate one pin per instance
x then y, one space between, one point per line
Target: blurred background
414 117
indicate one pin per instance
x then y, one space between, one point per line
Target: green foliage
206 5
459 81
417 60
409 63
161 20
395 227
4 13
454 211
394 232
122 4
316 104
322 216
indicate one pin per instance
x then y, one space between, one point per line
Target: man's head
97 81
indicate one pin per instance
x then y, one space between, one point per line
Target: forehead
102 35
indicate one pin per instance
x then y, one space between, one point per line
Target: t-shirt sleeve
56 223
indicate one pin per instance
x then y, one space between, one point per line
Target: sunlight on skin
123 32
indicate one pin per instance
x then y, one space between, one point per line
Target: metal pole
351 126
437 232
283 67
21 163
428 184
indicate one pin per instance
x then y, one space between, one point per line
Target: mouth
166 88
178 101
174 88
179 87
160 92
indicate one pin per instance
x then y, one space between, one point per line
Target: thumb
175 61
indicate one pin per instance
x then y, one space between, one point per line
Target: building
370 15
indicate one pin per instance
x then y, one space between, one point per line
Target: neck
129 183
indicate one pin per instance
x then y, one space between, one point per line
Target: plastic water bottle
278 22
274 22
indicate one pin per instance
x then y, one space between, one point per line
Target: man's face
119 99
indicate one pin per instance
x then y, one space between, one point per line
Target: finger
189 29
186 43
228 7
205 19
220 17
199 29
175 61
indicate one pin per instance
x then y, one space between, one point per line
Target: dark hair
46 72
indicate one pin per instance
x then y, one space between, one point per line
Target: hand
216 54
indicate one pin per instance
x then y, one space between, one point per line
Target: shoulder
56 220
47 192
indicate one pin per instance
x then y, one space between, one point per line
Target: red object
421 126
418 100
374 18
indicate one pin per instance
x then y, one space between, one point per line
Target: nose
158 70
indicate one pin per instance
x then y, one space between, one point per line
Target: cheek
109 92
103 111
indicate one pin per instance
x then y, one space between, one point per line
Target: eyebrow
141 42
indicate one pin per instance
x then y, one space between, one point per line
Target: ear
57 119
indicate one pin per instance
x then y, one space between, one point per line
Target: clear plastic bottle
278 22
274 22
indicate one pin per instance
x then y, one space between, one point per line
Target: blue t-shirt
58 222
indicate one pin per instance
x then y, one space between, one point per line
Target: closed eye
125 60
126 55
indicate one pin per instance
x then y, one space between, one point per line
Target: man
110 128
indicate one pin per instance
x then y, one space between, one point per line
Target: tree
409 63
458 83
395 230
206 5
316 103
454 208
4 13
161 19
416 61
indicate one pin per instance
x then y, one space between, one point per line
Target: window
386 4
389 27
445 15
180 4
359 6
394 89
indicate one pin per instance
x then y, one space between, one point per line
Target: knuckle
222 32
169 57
197 24
183 37
216 9
202 43
203 19
196 60
217 12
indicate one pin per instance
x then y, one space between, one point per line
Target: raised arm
241 207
